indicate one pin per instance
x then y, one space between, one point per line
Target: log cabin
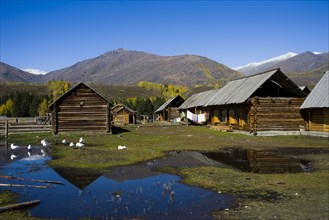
123 115
169 110
262 102
315 108
81 109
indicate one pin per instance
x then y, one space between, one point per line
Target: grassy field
261 196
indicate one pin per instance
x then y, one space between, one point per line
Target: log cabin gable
78 97
81 108
278 85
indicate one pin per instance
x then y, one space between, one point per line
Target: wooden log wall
234 115
269 113
173 113
318 119
122 117
83 110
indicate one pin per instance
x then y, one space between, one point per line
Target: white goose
13 147
13 156
71 144
44 143
81 140
122 147
65 141
79 145
29 147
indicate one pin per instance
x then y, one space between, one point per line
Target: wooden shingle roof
119 107
175 101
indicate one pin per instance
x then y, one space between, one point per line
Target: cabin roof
198 99
119 107
70 91
319 96
177 99
240 90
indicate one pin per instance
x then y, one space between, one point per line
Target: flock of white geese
79 144
45 144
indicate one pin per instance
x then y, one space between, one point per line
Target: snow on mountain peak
274 59
35 71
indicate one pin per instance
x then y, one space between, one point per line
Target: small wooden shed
81 109
315 108
123 115
169 110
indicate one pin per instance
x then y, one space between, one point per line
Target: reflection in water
126 192
28 152
80 178
261 161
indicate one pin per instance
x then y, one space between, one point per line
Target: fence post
6 127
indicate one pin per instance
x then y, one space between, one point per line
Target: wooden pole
34 180
21 185
6 127
19 205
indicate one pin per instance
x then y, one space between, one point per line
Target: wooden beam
33 180
21 185
19 205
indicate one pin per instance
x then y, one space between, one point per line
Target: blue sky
50 35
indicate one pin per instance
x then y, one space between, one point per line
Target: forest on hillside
31 100
30 103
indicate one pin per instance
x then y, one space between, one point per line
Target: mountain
258 67
11 74
303 62
304 69
129 67
35 71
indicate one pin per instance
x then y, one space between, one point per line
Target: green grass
262 196
7 198
149 142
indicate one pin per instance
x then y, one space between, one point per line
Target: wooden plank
19 205
33 180
22 185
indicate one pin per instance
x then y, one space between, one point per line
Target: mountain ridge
269 62
129 67
124 67
289 63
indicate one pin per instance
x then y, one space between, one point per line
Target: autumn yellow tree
58 88
7 108
43 107
167 91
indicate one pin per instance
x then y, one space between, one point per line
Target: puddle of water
260 161
127 192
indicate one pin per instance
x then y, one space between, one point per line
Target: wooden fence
20 125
